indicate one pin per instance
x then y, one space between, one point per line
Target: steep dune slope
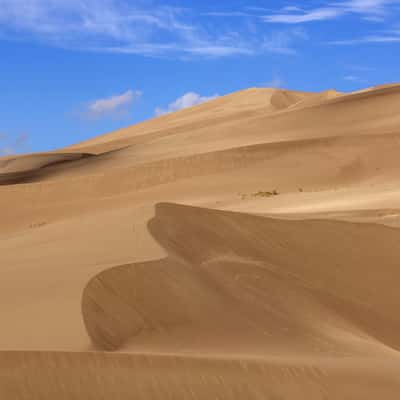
254 285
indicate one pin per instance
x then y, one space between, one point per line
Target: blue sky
74 69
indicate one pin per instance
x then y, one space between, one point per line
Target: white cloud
89 23
146 27
372 10
220 51
136 27
365 6
354 78
140 27
319 14
377 39
189 99
115 106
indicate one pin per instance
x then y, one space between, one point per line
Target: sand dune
24 168
321 115
254 278
245 248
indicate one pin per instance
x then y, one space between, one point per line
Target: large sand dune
245 248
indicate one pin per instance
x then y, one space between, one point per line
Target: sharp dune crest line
244 248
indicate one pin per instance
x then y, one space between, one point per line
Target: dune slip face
233 276
244 248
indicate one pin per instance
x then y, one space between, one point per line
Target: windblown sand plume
245 248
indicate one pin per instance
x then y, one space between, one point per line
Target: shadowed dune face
242 283
25 168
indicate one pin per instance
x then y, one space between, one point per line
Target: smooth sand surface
245 248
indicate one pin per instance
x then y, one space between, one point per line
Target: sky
74 69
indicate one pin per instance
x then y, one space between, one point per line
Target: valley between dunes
245 248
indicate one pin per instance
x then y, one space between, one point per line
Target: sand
245 248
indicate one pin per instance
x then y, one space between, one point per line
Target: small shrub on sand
266 194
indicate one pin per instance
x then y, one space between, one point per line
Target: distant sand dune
316 115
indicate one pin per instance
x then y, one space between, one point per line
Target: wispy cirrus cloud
354 78
374 7
93 24
189 99
116 106
381 37
367 9
152 28
138 27
319 14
